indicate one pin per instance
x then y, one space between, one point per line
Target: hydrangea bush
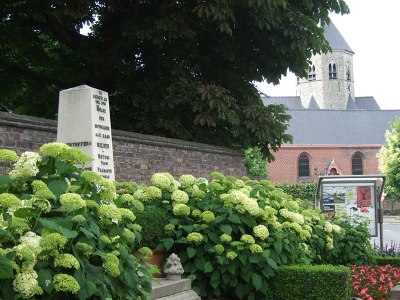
64 232
231 235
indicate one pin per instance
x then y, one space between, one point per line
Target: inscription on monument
84 122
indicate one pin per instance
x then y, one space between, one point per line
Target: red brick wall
136 156
285 166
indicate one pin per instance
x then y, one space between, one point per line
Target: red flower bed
374 282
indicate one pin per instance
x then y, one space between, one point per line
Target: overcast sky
372 30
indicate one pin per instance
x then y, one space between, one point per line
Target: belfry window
304 166
357 164
311 73
348 73
332 71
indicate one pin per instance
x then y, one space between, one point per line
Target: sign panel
352 199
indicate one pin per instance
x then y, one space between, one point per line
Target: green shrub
322 282
304 191
387 260
152 220
231 235
352 245
64 234
255 164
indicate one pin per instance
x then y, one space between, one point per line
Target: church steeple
330 80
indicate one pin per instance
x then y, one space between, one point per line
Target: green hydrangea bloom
27 255
19 225
9 200
187 180
181 209
161 180
129 235
247 238
261 232
66 260
328 227
336 228
295 226
225 238
255 248
26 166
41 190
231 255
146 251
127 214
152 193
195 237
8 155
169 227
251 206
78 219
76 155
65 283
53 241
180 197
105 239
71 202
83 247
136 227
90 176
106 190
110 212
111 264
304 234
27 284
293 206
219 248
208 216
54 149
196 213
92 204
197 193
43 204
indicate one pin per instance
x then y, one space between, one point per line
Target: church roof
329 127
335 39
294 102
291 102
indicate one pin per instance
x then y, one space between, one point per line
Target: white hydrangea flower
26 166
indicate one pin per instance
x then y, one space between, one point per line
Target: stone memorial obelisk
84 122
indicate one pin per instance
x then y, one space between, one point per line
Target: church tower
330 81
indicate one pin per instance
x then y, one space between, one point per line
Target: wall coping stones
30 122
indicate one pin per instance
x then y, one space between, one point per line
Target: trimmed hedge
317 282
388 260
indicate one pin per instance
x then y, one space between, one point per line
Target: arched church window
311 73
332 71
304 166
348 73
357 164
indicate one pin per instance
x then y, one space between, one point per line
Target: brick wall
136 156
285 166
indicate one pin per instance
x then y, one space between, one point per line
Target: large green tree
181 69
389 161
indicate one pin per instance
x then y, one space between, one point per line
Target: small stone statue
173 267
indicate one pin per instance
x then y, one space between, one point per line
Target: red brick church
333 131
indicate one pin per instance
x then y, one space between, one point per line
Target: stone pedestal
84 122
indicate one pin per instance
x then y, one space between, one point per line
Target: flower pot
158 259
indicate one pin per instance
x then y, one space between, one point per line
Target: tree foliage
389 162
254 162
182 69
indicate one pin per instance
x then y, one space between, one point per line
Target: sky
372 30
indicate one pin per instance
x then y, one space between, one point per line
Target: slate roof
334 127
294 102
335 39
